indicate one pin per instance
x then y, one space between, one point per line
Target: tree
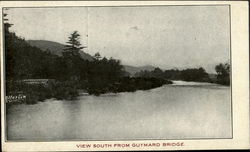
7 25
97 56
222 69
72 58
157 73
195 74
74 46
223 73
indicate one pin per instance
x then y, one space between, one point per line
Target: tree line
191 74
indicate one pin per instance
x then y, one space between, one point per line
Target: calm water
183 110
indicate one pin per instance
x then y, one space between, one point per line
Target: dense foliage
131 84
195 74
26 62
223 73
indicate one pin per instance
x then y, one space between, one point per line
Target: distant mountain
133 69
55 48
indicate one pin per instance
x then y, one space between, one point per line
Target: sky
162 36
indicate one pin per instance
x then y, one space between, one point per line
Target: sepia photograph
119 73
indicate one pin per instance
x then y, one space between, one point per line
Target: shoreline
58 90
82 93
125 85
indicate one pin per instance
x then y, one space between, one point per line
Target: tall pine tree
74 62
73 45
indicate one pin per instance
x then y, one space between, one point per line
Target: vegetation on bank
70 89
223 74
130 84
195 74
191 74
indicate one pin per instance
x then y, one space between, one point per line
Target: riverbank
130 84
69 90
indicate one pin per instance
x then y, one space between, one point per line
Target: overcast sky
166 36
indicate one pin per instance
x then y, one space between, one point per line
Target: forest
70 73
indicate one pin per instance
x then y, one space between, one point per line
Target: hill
55 48
133 69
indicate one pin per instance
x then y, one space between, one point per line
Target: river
184 110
